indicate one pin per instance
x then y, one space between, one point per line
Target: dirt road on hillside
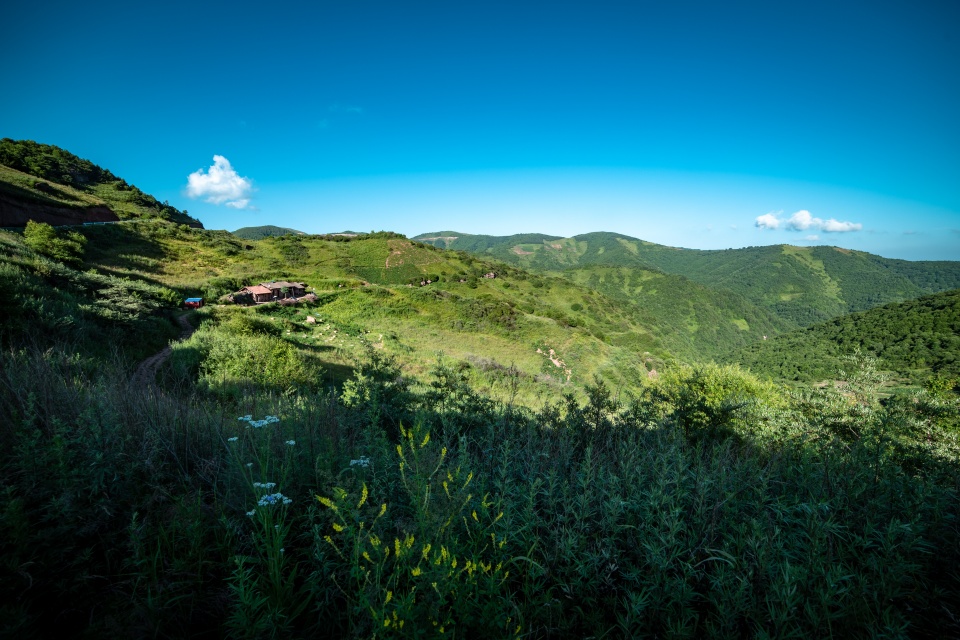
146 373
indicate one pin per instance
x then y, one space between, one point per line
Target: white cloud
768 221
835 226
812 238
803 220
220 184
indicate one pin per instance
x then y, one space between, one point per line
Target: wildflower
264 485
363 496
249 465
389 597
337 527
233 439
246 418
327 502
250 513
416 572
291 442
362 461
383 509
272 499
282 550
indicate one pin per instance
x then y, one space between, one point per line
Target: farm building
193 303
283 289
273 291
258 292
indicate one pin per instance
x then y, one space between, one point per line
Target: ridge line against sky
693 124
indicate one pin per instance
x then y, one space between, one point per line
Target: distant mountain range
800 285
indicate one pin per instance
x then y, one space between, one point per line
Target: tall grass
405 513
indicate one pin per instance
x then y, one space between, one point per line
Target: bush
66 246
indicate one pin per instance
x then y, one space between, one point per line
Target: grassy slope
104 314
74 183
704 323
913 338
369 291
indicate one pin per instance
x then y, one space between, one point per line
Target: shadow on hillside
29 195
118 246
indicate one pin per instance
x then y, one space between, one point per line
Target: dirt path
146 373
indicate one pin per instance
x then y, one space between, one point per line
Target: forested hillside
264 231
912 339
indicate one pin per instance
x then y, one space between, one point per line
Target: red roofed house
294 289
259 293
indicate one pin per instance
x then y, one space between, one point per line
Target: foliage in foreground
710 505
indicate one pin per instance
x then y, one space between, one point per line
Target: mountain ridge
802 285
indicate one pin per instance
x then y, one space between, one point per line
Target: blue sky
695 124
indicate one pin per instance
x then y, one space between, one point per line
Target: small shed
193 303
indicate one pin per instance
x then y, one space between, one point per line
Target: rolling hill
265 231
801 285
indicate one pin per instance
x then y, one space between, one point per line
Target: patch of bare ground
146 373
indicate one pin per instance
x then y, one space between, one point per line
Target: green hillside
58 187
682 312
265 231
801 285
914 339
376 286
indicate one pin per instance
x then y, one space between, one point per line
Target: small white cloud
835 226
343 108
812 238
803 220
768 221
220 184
